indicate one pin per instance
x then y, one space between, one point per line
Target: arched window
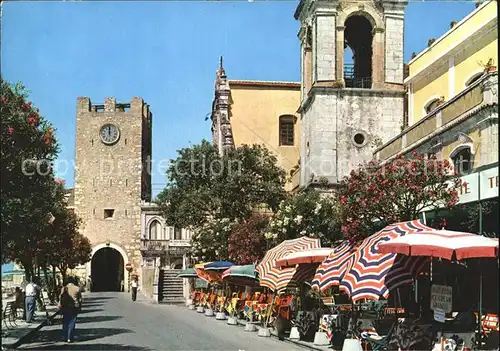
431 106
155 230
462 160
287 130
358 34
473 79
177 234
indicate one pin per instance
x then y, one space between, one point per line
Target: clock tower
112 177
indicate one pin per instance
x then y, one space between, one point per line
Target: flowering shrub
246 241
210 242
305 214
28 146
377 195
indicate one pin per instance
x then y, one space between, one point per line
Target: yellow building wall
254 115
426 90
467 62
478 18
472 63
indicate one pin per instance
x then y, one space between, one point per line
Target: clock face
109 133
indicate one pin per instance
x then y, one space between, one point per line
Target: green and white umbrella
241 275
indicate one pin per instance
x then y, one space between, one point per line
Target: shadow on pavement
53 336
96 319
76 346
89 310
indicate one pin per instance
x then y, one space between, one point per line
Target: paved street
111 321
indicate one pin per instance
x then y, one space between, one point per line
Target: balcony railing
179 243
154 246
353 81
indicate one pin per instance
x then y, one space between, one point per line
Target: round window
359 139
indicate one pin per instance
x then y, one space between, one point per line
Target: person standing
134 288
31 292
70 303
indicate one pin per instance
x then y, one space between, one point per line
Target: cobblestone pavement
111 321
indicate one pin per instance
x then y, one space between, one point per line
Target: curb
23 338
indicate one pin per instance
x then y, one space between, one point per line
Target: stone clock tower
112 176
352 83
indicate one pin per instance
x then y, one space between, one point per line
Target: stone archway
107 268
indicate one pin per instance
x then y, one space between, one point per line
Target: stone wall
332 121
112 176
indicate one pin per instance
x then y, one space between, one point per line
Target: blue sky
167 53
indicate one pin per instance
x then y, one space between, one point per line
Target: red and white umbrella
276 278
306 256
445 244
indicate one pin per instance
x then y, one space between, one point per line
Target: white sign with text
441 297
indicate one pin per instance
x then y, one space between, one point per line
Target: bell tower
351 83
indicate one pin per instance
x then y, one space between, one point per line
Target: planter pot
189 302
232 321
294 334
192 307
352 345
220 316
250 327
200 309
209 312
320 339
264 332
492 68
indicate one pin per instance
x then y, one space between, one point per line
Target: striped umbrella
371 274
332 270
276 278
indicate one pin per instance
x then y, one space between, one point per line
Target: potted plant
490 66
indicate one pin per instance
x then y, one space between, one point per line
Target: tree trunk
54 279
47 283
63 271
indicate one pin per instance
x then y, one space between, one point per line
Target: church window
286 130
177 234
431 105
155 230
359 139
108 213
462 160
358 42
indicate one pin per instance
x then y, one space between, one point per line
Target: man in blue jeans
70 303
31 293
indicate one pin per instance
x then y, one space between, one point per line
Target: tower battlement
137 104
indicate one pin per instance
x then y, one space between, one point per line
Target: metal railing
353 81
154 245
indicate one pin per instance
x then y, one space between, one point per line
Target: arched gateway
107 268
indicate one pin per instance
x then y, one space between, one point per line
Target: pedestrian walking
134 288
70 303
31 292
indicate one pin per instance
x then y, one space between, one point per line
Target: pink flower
11 130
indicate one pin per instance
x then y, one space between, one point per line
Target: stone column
394 39
324 46
339 44
378 62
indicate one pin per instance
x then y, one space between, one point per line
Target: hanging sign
441 298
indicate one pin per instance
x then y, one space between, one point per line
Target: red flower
4 100
11 130
27 106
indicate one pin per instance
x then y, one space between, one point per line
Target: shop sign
489 183
439 315
441 298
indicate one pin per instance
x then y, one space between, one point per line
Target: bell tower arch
350 102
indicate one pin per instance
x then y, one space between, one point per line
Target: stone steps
172 288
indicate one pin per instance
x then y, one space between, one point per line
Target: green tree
307 213
205 187
28 147
376 195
